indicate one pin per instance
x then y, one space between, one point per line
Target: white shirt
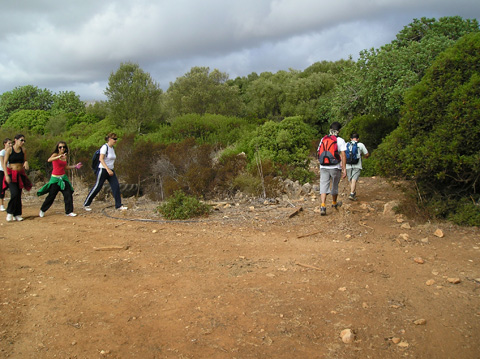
342 147
362 150
2 155
110 158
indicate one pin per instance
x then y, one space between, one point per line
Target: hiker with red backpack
354 153
331 154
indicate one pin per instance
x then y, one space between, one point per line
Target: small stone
154 231
420 322
430 282
400 220
396 340
404 236
424 240
348 236
454 280
403 345
439 233
418 260
364 305
347 336
405 226
342 289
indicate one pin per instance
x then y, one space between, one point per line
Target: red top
59 167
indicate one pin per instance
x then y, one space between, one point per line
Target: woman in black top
15 177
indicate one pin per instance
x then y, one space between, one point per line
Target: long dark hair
56 147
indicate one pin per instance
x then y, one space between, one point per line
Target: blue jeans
103 175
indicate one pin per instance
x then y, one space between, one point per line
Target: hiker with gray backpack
355 151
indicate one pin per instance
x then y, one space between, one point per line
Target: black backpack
96 159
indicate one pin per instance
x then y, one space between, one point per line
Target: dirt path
246 283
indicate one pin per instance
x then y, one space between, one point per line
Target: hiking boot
41 214
337 205
87 208
323 211
352 197
18 218
10 217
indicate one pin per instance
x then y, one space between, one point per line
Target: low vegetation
181 206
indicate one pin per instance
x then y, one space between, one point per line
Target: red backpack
328 151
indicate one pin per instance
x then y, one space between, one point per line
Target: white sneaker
87 208
71 214
10 217
18 218
41 214
122 208
2 208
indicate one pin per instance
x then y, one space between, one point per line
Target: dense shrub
181 206
371 128
285 143
436 143
31 120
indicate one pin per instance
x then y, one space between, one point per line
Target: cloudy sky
74 45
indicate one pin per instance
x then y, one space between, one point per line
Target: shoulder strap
106 154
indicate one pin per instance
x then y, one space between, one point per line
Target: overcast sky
65 45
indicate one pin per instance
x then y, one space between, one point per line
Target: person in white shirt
106 172
330 174
353 170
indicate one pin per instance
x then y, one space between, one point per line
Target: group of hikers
14 164
338 159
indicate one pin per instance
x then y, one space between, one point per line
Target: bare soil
252 280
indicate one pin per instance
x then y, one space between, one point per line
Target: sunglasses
62 146
22 140
115 139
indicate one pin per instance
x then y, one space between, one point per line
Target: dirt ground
253 280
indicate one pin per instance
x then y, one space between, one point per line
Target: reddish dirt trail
244 283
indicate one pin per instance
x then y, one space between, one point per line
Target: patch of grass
181 206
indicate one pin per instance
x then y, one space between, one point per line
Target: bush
466 214
181 206
436 143
371 128
286 144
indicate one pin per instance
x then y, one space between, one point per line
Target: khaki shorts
328 176
353 173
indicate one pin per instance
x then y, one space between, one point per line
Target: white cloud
75 46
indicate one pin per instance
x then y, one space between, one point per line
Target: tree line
413 101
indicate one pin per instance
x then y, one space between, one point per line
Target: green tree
201 91
378 81
67 102
134 98
436 142
265 96
24 98
32 120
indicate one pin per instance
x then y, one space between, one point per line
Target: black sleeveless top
16 157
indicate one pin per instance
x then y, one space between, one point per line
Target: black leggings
15 204
52 194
